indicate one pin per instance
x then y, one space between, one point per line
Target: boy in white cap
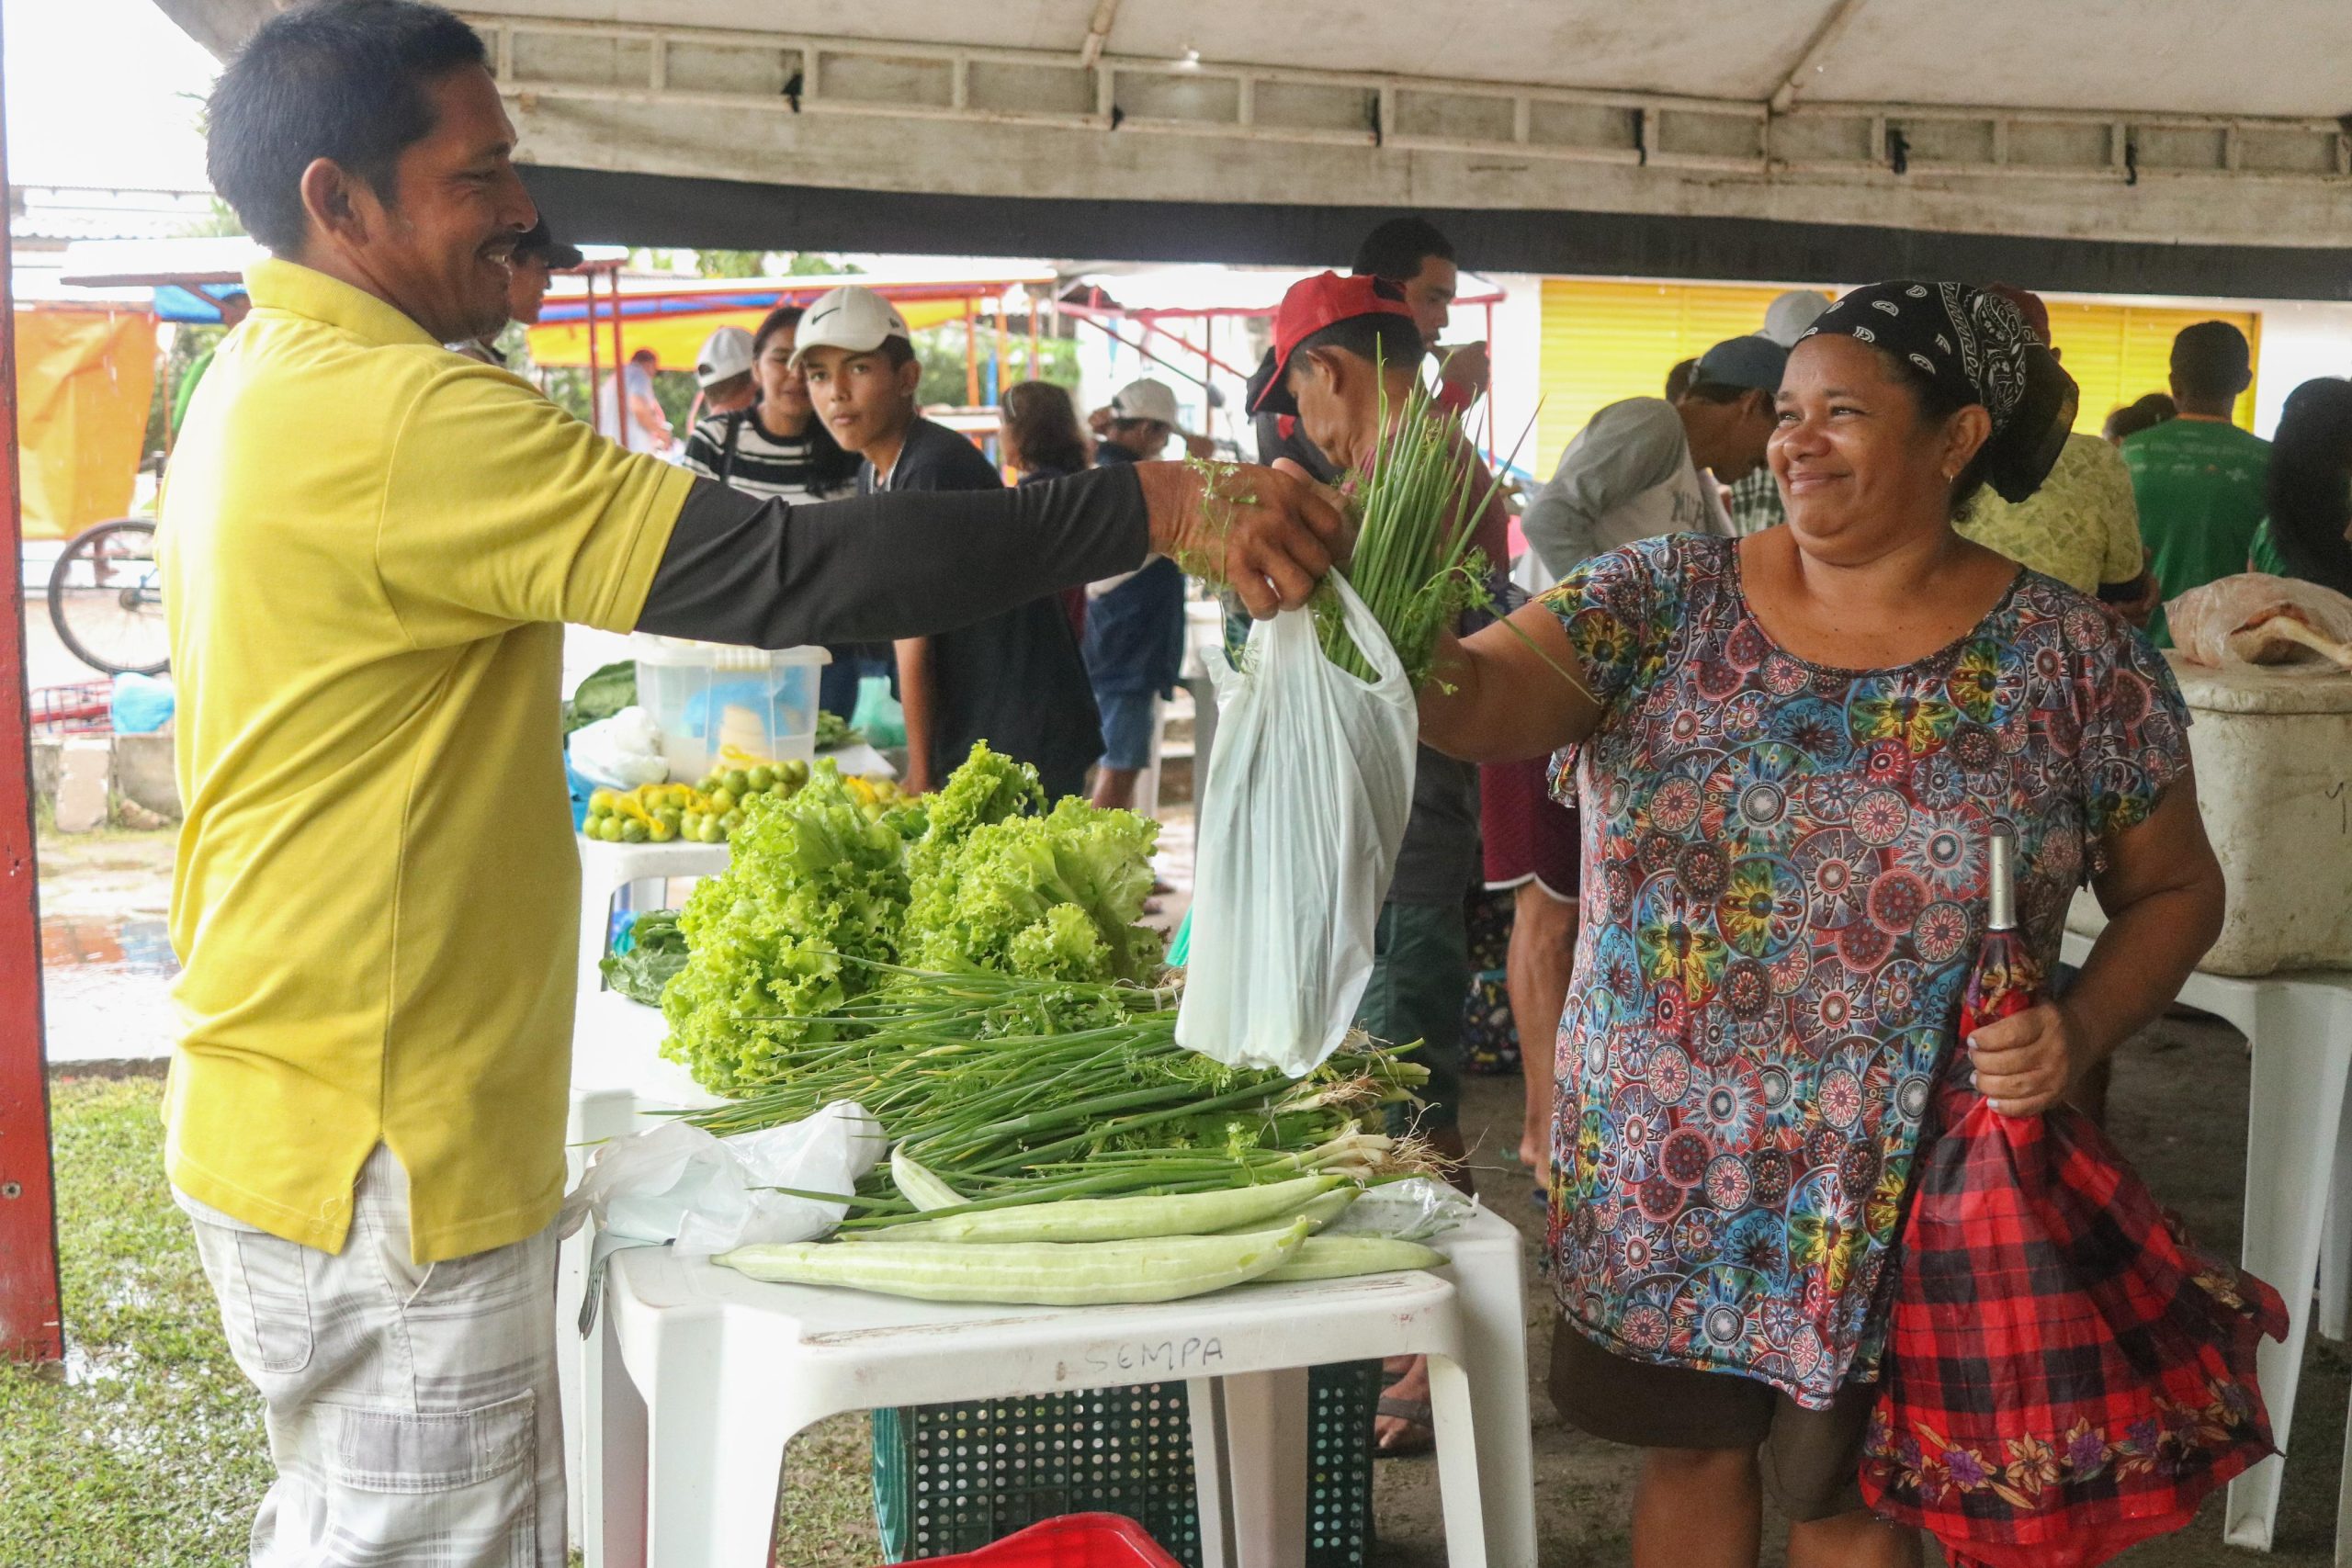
723 371
1013 679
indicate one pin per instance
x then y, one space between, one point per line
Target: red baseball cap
1313 303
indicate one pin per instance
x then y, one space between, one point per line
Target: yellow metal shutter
1607 341
2118 354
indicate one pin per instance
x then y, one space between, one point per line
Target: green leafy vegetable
814 886
604 693
1053 897
1416 512
657 950
833 731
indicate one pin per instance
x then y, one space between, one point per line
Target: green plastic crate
951 1478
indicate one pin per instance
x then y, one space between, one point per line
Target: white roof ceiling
2150 122
2259 57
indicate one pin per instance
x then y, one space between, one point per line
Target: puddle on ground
134 946
105 987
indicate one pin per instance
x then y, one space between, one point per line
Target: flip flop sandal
1420 1437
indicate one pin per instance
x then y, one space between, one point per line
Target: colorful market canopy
673 317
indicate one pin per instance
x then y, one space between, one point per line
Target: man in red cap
1341 346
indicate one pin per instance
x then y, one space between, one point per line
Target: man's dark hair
2211 359
1396 250
1386 340
1678 379
345 80
645 357
897 351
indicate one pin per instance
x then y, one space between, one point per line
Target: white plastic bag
619 752
1309 784
1412 1210
2229 623
679 1184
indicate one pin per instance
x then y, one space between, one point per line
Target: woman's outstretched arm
1512 691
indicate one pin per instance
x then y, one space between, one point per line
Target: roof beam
1824 38
1098 32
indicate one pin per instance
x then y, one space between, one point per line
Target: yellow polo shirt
369 544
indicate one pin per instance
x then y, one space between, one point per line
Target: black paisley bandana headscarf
1968 342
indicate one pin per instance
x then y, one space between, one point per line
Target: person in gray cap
1647 466
1756 500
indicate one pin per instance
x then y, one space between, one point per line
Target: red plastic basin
1074 1540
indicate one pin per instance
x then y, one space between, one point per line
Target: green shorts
1810 1459
1420 980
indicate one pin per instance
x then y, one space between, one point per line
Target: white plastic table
706 1375
620 1084
2298 1028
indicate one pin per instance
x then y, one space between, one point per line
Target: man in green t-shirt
2199 479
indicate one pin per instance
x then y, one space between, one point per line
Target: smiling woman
1790 751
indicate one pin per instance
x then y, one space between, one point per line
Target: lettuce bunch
815 883
1051 897
978 877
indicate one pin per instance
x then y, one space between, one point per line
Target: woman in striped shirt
777 446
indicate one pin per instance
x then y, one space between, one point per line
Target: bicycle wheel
105 598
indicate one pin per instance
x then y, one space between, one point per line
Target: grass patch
146 1447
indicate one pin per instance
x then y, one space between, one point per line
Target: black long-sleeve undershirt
896 564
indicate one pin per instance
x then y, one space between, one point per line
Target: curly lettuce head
813 883
1053 897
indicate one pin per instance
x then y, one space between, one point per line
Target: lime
761 779
632 831
738 781
609 830
712 832
661 832
793 774
722 801
605 800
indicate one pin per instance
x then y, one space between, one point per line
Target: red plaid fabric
2066 1376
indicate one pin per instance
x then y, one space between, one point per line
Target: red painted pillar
31 1325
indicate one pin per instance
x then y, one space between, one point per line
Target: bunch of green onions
1416 513
1018 1090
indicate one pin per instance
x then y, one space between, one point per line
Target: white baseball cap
725 353
849 317
1786 318
1145 400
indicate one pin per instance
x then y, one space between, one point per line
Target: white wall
2298 341
1518 353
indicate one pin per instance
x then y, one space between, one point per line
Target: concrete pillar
84 771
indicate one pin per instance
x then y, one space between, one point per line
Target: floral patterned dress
1784 882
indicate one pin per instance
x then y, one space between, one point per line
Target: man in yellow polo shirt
370 544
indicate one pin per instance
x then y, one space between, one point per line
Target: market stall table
2299 1030
706 1375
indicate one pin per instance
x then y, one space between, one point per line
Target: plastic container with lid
716 703
2273 752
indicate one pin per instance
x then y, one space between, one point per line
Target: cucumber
1115 1219
919 1186
1092 1273
1343 1256
1319 1211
